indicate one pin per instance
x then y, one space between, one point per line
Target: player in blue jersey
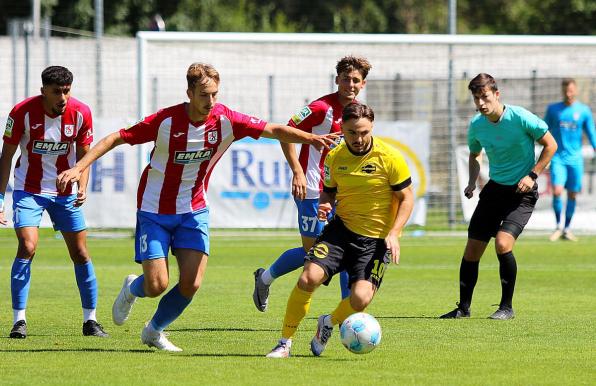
507 133
323 115
566 121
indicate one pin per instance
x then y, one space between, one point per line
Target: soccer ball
360 333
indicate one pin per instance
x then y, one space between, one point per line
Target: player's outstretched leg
287 262
125 299
153 338
321 338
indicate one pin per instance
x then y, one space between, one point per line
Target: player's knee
188 290
503 246
80 256
154 288
360 301
26 249
571 195
308 282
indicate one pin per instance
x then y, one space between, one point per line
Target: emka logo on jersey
191 157
50 148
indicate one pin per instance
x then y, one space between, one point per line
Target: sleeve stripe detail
402 185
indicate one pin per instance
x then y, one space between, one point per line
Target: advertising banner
249 188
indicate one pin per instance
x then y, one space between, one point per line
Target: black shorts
500 208
339 249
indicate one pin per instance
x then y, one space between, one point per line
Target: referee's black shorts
500 208
338 249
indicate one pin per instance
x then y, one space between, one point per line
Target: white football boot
123 303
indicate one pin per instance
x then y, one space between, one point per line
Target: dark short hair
57 75
200 73
567 81
350 63
481 81
357 111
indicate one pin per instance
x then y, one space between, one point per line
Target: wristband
533 175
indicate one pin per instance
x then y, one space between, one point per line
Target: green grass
551 341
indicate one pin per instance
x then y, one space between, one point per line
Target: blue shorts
157 233
308 223
27 209
569 176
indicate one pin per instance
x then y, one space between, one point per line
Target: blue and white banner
249 187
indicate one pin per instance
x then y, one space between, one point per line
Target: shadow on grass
240 355
32 350
226 329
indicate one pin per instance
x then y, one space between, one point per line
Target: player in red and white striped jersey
320 117
52 130
172 207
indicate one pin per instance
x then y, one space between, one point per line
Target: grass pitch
552 340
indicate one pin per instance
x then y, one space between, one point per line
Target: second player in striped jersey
321 116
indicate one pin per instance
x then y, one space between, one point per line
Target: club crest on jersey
576 116
9 125
212 137
68 130
301 115
191 157
50 148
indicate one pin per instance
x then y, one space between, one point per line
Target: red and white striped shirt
48 143
175 181
322 116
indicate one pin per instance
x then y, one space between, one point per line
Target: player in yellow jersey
369 183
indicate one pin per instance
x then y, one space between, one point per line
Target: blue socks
136 287
169 309
558 208
344 278
569 211
20 279
87 283
289 261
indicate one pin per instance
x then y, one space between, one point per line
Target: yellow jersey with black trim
364 186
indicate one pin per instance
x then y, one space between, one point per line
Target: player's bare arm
405 200
326 201
474 162
290 134
549 149
74 174
8 151
298 179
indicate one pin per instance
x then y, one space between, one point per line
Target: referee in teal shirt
507 134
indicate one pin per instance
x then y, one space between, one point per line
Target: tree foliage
126 17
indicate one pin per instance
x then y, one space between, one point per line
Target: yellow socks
298 305
343 310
